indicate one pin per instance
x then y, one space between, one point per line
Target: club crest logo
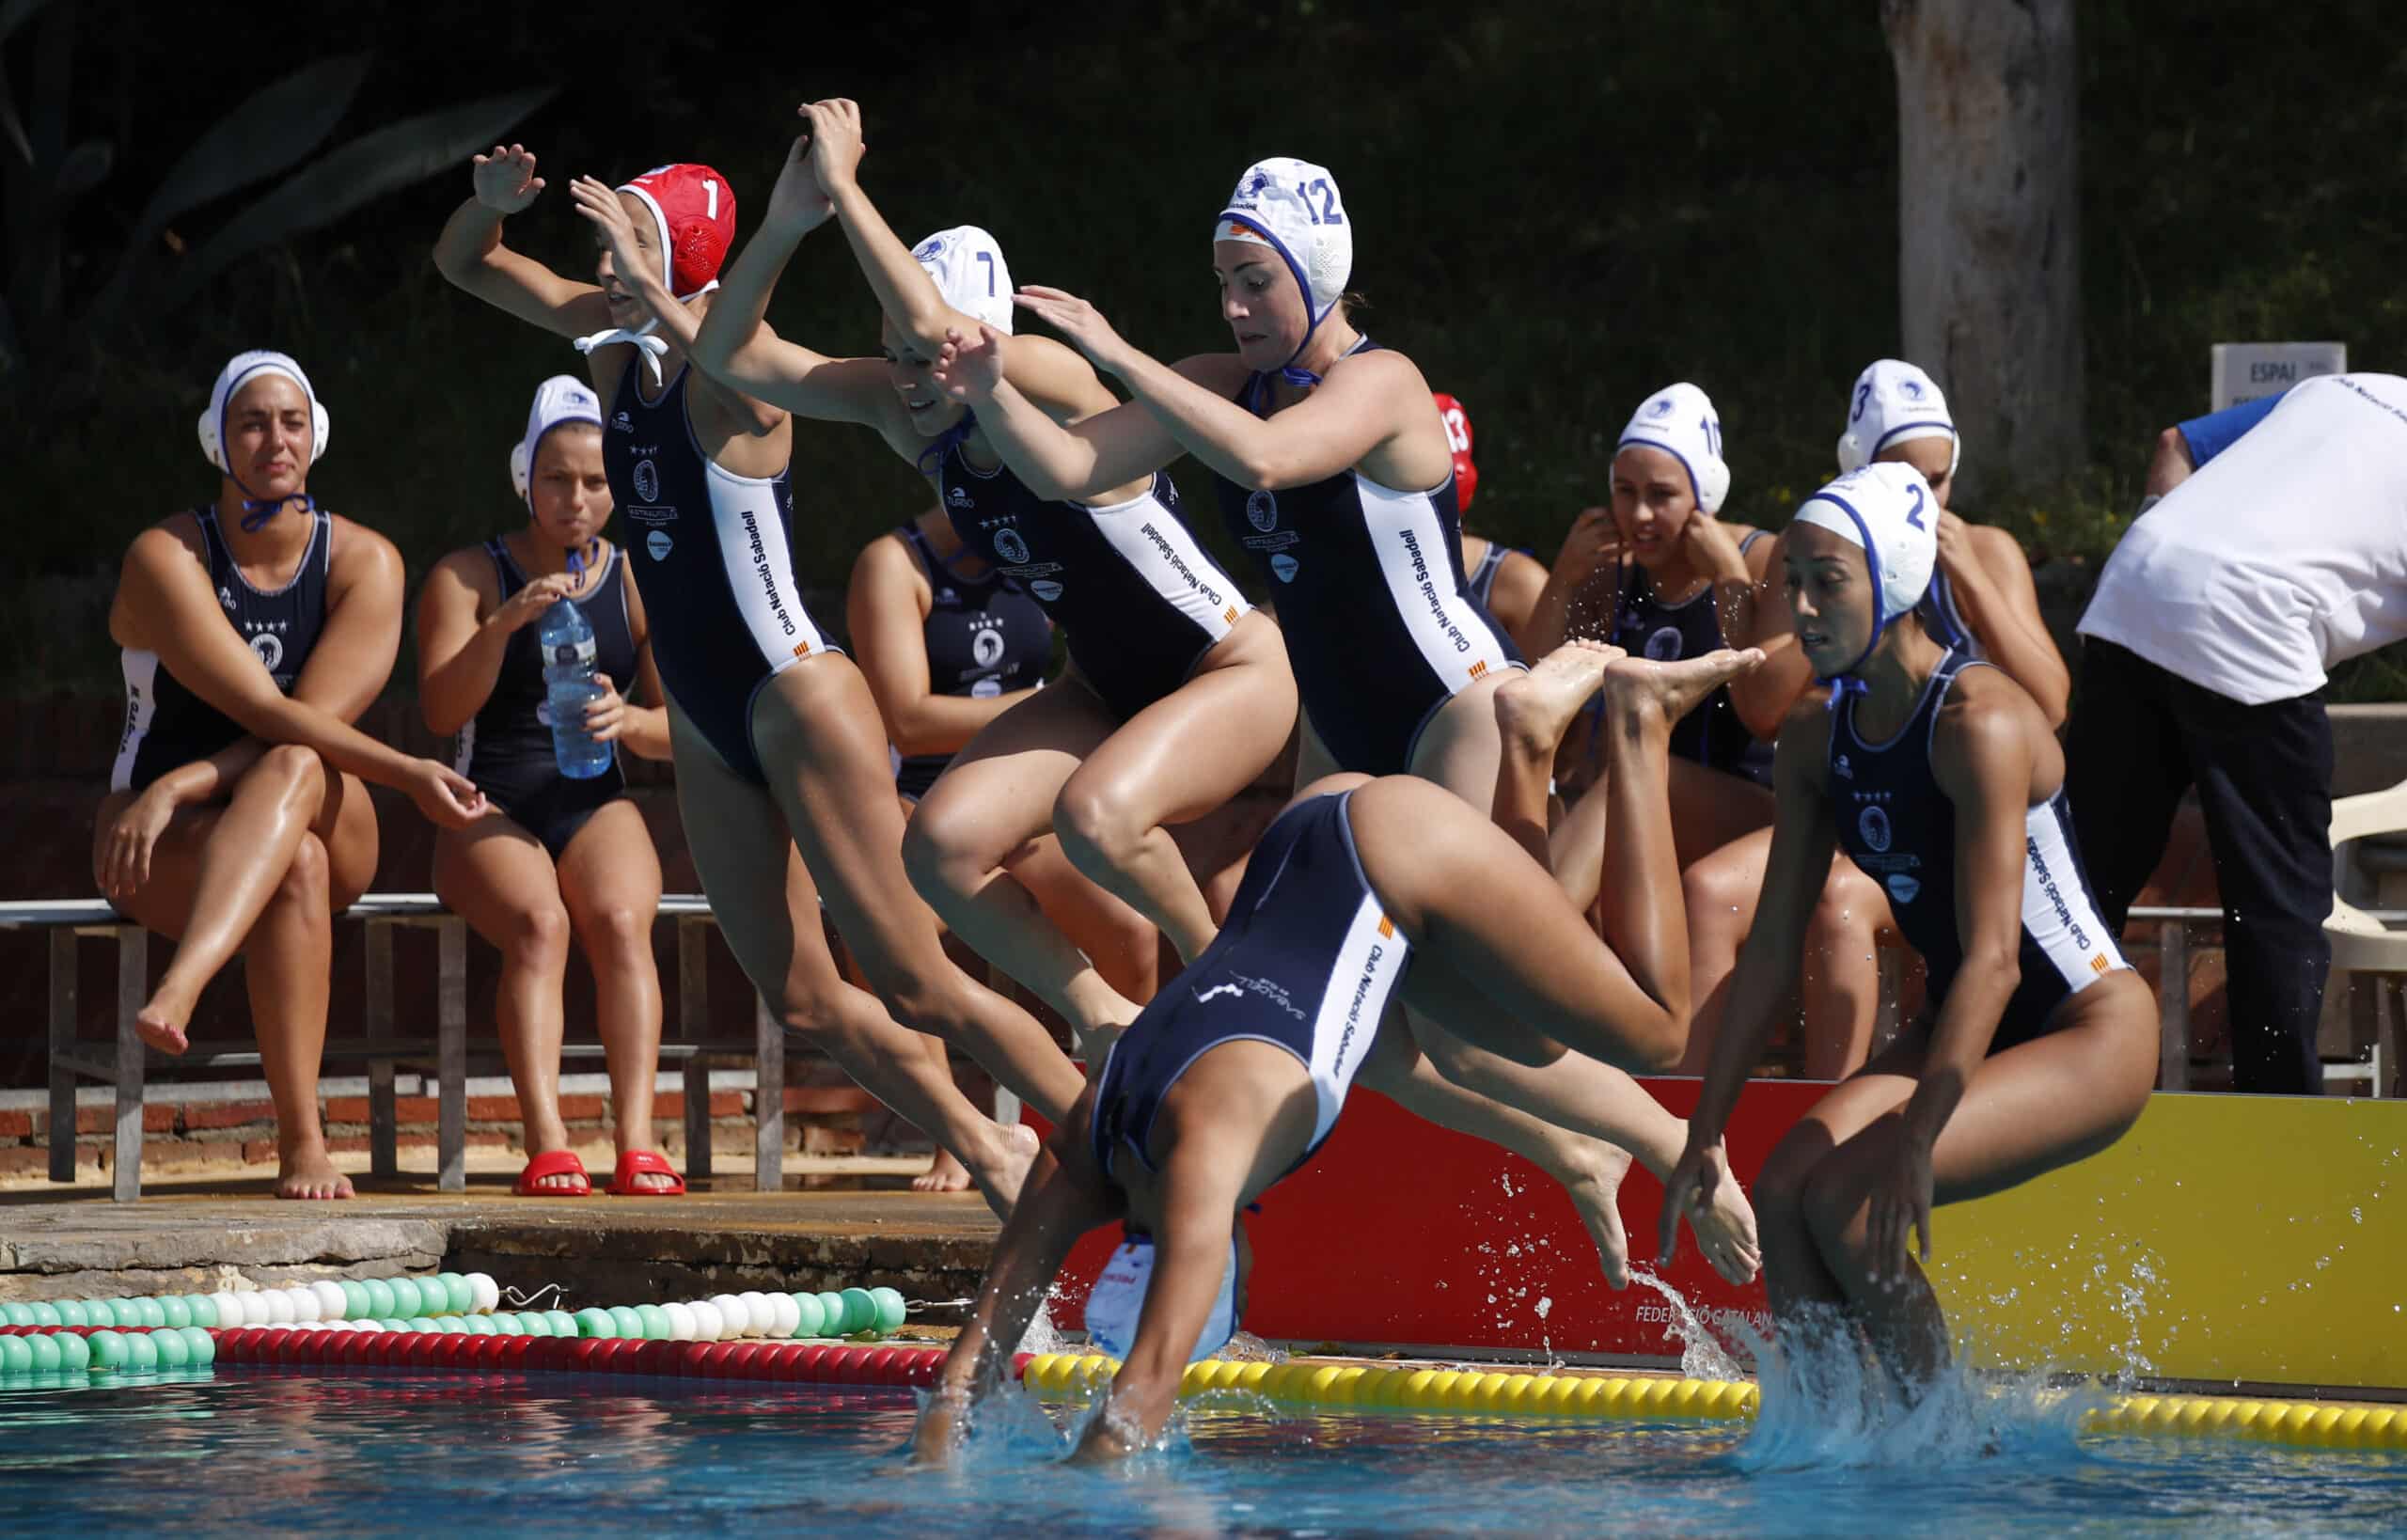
1663 643
1262 512
269 648
1873 823
1009 546
647 481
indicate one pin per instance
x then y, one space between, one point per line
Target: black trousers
2140 737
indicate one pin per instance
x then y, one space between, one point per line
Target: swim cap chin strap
652 348
258 512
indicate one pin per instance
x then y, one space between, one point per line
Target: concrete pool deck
207 1234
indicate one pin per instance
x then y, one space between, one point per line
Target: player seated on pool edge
1236 1072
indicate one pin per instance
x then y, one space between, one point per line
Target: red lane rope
785 1362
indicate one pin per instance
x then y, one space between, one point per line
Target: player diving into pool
1364 893
1941 777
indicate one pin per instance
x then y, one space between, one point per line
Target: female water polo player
775 737
255 628
1939 775
1655 572
949 642
1365 891
1983 604
1504 580
1344 493
566 857
1177 695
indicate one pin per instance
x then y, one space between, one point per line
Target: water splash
1827 1404
1703 1354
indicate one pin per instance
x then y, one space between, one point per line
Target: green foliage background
1558 209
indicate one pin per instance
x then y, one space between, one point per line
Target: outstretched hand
1076 321
505 181
798 204
970 369
598 205
836 142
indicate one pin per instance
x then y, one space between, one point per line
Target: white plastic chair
2362 944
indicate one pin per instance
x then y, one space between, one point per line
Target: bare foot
1725 1231
944 1174
1641 689
1536 709
1596 1194
161 1022
999 1183
305 1171
643 1138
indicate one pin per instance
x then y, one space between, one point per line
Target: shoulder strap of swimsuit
1749 544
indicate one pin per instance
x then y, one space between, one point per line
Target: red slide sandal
635 1163
553 1163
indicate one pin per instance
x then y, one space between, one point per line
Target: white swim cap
1680 421
968 270
239 370
560 399
1895 403
1118 1300
1888 510
1293 207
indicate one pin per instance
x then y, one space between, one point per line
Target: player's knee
1779 1188
535 936
945 851
1098 822
617 929
1847 909
1717 894
297 771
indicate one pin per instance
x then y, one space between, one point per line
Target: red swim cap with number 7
693 214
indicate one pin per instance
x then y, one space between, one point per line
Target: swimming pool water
393 1454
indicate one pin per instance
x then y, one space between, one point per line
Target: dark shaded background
1559 209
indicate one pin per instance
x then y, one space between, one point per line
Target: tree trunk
1990 227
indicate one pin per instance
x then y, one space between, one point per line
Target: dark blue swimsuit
1647 626
985 637
713 558
1307 960
166 725
505 748
1138 598
1899 826
1380 627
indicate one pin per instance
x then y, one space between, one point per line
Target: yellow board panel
2261 1239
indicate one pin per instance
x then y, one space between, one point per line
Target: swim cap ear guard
562 400
1679 419
239 370
1293 207
1887 509
693 224
1118 1301
1895 403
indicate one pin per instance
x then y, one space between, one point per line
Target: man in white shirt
2203 663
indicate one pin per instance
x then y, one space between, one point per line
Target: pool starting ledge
2226 1242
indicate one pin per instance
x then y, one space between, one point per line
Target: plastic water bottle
567 643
